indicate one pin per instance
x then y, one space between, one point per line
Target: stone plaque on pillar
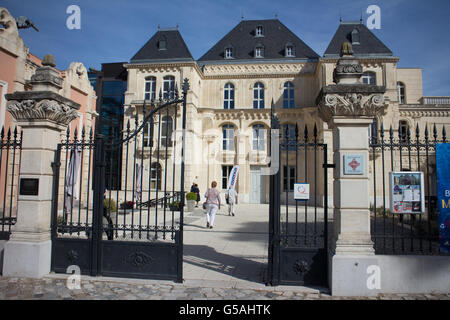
354 164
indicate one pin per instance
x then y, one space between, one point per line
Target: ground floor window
226 170
289 177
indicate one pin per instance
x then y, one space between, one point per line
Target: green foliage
109 205
191 196
380 211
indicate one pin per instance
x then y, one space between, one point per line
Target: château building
257 67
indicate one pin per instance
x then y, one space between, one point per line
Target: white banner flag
233 177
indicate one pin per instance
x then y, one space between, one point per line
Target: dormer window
289 51
229 53
259 31
162 44
259 52
355 36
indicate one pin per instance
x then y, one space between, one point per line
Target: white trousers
211 210
231 208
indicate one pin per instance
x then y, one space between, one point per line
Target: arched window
288 95
166 131
403 130
259 141
168 87
228 137
150 88
369 78
401 93
228 96
155 175
258 96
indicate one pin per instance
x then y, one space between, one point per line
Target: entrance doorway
257 185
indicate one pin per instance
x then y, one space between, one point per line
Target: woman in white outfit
212 204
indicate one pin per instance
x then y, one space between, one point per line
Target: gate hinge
329 165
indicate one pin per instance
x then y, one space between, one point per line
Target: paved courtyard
228 262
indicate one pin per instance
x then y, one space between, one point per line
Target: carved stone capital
55 110
352 105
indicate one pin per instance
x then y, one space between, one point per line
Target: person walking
212 196
196 190
232 200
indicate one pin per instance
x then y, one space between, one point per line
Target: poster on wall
443 193
407 192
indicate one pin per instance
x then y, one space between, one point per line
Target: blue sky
114 30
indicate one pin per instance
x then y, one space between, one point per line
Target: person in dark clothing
196 190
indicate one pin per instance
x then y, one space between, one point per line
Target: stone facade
207 116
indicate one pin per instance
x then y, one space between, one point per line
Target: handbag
204 205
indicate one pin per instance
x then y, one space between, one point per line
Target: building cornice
424 110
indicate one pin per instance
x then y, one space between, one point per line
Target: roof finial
159 27
178 26
361 19
242 14
276 15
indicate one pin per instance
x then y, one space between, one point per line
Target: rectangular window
148 135
259 138
150 89
226 170
259 52
289 177
228 138
228 53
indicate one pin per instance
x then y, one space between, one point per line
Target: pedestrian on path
212 196
232 200
196 190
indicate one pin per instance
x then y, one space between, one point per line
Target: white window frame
259 32
401 96
258 88
259 52
290 51
228 103
168 83
228 137
367 76
151 93
289 102
229 53
259 137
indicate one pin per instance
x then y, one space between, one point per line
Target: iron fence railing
404 233
10 156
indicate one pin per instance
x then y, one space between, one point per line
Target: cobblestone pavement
55 288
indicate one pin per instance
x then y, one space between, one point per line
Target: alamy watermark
374 20
74 280
374 279
74 19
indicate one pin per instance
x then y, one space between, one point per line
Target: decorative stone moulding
352 105
35 105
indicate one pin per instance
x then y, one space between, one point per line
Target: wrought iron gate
117 210
298 238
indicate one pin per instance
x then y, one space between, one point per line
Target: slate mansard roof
243 41
369 44
175 49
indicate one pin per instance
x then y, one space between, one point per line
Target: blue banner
443 191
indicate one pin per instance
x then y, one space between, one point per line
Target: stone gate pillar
349 108
42 114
